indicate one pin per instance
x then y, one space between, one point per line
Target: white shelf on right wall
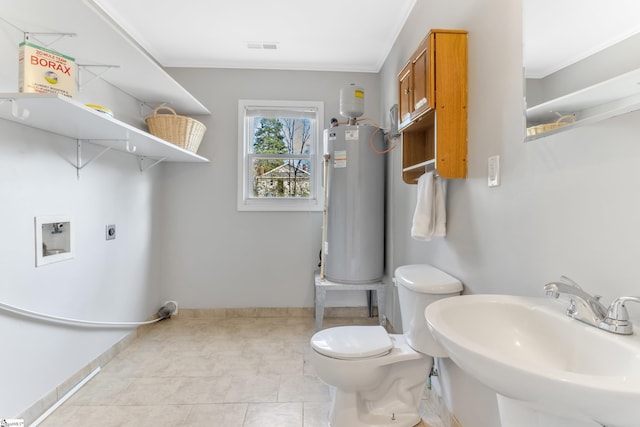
610 98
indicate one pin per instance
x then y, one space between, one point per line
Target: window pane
282 135
281 177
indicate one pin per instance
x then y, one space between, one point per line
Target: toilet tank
418 286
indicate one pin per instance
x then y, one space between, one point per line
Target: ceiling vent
262 45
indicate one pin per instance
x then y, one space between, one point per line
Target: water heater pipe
324 213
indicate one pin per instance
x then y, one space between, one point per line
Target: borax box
43 70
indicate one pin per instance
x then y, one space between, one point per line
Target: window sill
277 205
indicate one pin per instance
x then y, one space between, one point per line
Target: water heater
354 245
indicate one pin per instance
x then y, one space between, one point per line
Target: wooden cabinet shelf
433 107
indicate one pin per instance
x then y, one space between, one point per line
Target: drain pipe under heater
324 214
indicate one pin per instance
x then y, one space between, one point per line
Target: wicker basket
182 131
546 127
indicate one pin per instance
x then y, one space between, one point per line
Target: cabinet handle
407 90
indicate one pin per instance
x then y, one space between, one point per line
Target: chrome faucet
582 306
588 308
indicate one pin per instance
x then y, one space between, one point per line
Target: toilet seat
352 342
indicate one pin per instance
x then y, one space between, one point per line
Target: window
279 156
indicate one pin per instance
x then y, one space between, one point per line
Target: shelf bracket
150 107
29 34
144 168
16 111
79 165
95 75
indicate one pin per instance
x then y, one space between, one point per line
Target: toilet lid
426 279
352 342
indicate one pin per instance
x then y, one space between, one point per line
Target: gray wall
213 256
566 204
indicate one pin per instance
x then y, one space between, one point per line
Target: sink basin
528 350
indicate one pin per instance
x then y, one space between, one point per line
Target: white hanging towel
430 215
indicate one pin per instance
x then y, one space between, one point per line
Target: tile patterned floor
208 371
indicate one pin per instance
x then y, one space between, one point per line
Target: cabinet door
405 105
423 88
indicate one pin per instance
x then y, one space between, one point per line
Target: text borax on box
45 71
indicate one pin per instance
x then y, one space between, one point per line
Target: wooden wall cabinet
432 107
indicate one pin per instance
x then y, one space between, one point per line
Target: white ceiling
352 35
558 33
328 35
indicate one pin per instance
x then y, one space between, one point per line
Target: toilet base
394 403
344 412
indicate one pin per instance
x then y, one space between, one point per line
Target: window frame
245 201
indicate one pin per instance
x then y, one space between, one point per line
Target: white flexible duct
66 320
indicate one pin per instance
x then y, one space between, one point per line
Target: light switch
493 171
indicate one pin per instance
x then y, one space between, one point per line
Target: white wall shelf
97 41
64 116
610 98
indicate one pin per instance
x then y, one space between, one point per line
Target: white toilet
378 377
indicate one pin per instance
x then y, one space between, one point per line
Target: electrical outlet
493 171
175 312
111 232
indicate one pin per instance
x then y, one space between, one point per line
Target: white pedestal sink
548 370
